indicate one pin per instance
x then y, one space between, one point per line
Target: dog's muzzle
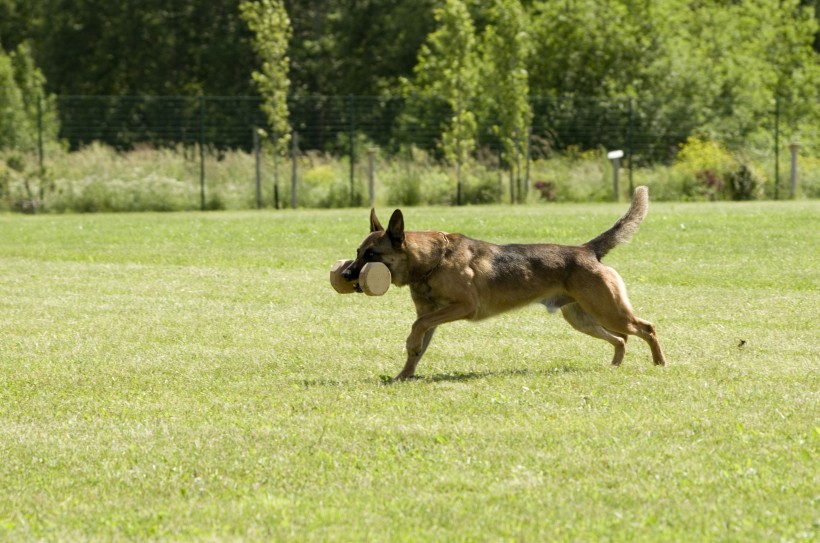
352 274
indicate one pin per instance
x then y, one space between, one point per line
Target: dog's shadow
449 377
466 376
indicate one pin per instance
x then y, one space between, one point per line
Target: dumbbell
374 279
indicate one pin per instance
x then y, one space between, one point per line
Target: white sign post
615 158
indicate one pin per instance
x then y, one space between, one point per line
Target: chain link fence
329 123
346 127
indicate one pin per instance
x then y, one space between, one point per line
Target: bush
481 187
324 186
582 177
97 194
22 187
98 178
712 172
743 183
703 163
418 180
404 190
22 95
808 171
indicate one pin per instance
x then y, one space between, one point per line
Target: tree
448 68
269 22
13 122
506 48
25 108
28 120
375 43
712 68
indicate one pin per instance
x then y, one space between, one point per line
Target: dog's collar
441 258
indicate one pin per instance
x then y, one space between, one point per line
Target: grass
194 377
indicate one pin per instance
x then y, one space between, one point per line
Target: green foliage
24 104
712 68
323 185
506 47
13 122
448 68
809 177
98 178
28 119
417 180
743 183
269 22
482 187
186 47
373 44
712 172
698 154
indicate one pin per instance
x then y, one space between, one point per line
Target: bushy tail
627 225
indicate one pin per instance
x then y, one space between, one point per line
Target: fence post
371 174
630 147
202 152
501 172
615 158
258 172
295 151
351 136
276 150
776 147
40 132
528 152
794 146
513 195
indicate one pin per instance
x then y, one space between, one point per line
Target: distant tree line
716 67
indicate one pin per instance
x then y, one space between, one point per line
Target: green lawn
195 377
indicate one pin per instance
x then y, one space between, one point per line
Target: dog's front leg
413 358
422 333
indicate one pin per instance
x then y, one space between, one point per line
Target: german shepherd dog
453 277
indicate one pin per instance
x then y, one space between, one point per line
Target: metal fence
330 123
344 125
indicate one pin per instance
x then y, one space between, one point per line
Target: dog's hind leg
646 331
583 322
606 302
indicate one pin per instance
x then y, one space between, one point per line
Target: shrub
324 186
743 183
481 187
583 177
712 172
404 189
808 171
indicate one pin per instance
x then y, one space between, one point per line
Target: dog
453 277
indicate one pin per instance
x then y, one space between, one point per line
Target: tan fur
452 277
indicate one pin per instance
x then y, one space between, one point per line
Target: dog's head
385 246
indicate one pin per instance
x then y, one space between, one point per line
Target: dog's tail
627 225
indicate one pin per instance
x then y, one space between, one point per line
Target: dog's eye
369 254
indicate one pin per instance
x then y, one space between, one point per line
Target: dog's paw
405 377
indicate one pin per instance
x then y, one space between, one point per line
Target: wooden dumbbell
338 282
374 279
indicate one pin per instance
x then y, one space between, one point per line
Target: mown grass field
194 377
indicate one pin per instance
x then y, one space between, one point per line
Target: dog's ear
375 225
395 229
